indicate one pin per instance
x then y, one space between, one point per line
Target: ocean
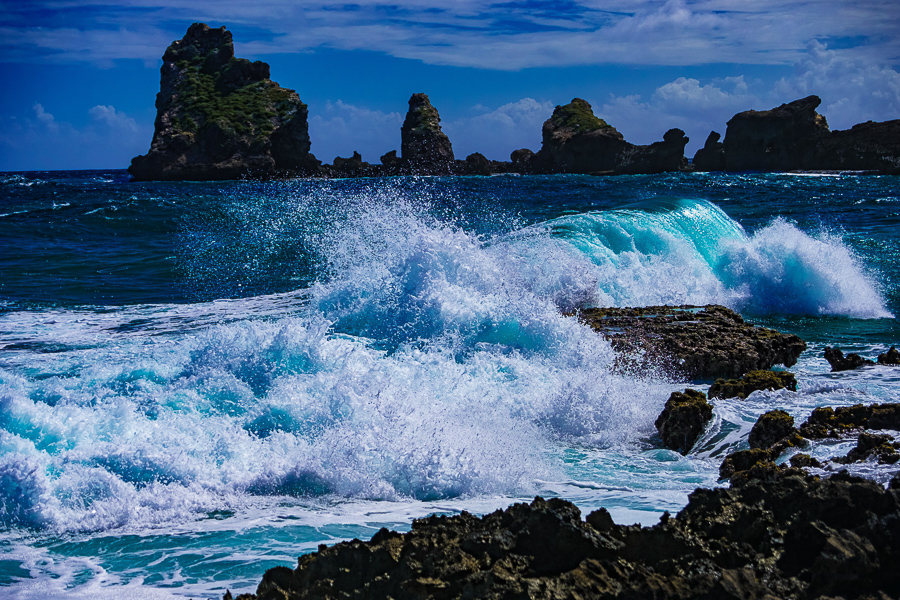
199 381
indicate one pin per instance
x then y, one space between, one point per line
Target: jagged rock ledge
778 533
698 342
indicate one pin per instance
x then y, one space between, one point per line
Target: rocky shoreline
779 531
222 117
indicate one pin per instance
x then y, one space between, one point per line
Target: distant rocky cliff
221 117
577 141
794 137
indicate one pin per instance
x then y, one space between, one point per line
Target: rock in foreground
779 534
699 342
221 117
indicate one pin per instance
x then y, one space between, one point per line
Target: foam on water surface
183 448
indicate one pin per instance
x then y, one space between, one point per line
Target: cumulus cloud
478 33
339 129
110 140
852 89
496 133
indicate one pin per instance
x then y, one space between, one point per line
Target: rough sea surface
199 381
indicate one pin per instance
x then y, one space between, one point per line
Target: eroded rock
778 533
683 419
221 117
698 342
839 362
752 382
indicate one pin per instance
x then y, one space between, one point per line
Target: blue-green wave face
674 251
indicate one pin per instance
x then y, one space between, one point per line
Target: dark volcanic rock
770 428
776 534
351 167
781 139
839 362
891 357
711 157
699 342
881 446
424 147
683 419
867 146
221 117
658 157
577 141
752 382
794 136
835 422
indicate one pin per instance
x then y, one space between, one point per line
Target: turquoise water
202 380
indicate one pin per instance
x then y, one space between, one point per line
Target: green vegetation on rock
578 116
248 110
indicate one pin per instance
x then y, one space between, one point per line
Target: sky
80 80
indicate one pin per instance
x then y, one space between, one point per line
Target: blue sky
80 80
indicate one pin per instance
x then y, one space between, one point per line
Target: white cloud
110 140
479 33
852 89
342 128
110 117
498 132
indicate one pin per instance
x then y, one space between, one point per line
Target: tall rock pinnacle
221 117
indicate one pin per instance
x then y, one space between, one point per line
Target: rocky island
221 117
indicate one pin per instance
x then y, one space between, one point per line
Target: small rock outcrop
771 428
839 362
577 141
697 342
825 422
683 419
752 382
780 139
221 117
711 157
424 147
891 357
775 533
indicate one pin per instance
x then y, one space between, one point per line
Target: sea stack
424 147
577 141
221 117
781 139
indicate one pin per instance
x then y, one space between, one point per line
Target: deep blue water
201 380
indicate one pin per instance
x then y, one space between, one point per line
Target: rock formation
711 157
775 533
794 136
683 419
577 141
839 362
781 139
752 382
699 342
221 117
423 146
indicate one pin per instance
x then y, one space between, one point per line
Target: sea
200 381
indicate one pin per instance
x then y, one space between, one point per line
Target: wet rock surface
698 342
839 362
221 117
779 533
683 419
774 433
753 381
